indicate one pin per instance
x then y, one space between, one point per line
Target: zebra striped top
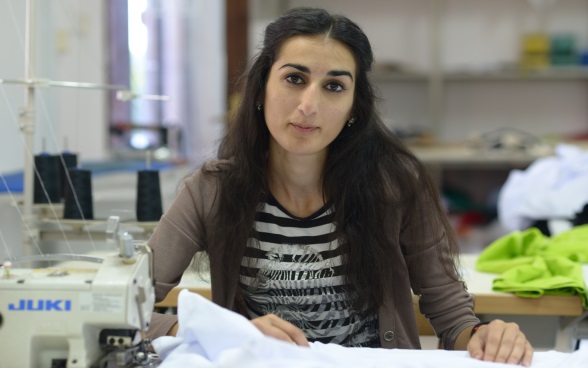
293 270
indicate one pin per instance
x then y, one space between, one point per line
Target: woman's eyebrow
304 69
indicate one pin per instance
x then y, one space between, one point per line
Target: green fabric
531 264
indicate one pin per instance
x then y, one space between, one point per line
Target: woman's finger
528 355
492 336
276 327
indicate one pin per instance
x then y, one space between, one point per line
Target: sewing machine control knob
126 247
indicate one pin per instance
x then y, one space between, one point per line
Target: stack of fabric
531 264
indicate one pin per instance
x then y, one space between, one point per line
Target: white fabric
211 336
550 188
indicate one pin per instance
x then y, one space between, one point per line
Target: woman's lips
304 128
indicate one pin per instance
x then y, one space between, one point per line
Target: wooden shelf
553 74
460 155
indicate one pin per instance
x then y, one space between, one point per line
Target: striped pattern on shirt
293 270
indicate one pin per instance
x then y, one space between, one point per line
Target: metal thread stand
30 231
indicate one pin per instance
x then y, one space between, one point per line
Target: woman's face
309 94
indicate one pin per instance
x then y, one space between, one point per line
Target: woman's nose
309 100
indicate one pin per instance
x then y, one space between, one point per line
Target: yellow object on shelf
535 51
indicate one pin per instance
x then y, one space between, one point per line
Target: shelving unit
562 74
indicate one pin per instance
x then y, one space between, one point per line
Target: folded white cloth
211 336
550 188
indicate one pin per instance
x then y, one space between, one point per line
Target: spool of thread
81 188
47 186
148 196
67 160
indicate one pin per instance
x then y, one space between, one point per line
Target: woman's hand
501 342
274 326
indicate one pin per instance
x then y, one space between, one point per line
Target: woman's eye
335 87
294 79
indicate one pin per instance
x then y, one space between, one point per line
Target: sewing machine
68 316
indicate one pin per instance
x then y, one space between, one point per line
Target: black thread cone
47 175
67 161
81 181
148 196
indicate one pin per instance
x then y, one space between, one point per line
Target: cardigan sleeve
443 297
179 235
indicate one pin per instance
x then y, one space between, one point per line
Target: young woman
319 224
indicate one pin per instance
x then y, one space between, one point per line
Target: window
174 48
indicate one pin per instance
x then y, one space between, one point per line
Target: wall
11 98
70 46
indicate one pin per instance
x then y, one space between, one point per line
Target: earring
258 106
350 122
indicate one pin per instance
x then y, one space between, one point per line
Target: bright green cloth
531 264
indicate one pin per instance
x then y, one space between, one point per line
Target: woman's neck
296 182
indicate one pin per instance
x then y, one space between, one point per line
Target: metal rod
123 93
39 82
27 127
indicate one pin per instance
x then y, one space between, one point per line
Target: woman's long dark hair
368 170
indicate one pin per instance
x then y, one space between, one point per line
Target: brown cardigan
181 233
